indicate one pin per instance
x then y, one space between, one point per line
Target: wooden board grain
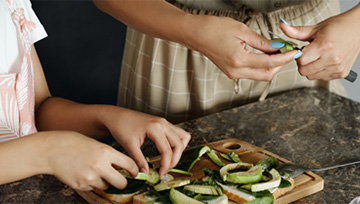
305 184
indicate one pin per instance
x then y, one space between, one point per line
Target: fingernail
277 44
298 54
142 170
284 21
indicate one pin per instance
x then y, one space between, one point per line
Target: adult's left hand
334 45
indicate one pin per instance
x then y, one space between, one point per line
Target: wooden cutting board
305 184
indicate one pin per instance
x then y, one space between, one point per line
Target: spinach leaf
133 185
284 183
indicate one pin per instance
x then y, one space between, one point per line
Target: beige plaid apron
164 78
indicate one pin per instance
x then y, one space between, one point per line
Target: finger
264 61
326 74
100 184
137 155
258 42
311 54
303 33
162 144
113 177
177 147
316 70
321 75
119 160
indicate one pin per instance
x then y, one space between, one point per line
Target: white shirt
10 44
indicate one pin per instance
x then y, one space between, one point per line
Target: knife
352 75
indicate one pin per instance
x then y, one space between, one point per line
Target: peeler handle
352 76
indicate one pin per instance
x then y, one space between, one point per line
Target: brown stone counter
309 126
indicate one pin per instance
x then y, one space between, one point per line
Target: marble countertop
311 126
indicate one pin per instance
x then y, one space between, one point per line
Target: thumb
303 33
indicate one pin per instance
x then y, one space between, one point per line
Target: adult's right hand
223 41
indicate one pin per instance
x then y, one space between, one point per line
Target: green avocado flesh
214 157
140 176
273 183
154 177
171 184
204 189
177 197
252 175
286 48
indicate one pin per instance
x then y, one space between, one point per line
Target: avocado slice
177 197
179 171
214 157
252 175
273 183
234 157
287 47
171 184
225 156
154 177
140 176
204 189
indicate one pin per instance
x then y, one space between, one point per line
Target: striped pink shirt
17 88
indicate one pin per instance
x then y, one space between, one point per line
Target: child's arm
129 128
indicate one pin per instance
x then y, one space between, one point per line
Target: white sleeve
39 32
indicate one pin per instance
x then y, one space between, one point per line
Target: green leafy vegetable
284 183
133 185
267 164
190 157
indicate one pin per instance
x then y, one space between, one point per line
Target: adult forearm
61 114
156 17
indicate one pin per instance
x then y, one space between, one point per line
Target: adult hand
130 128
334 45
84 163
223 41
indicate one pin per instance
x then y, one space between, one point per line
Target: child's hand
130 128
84 163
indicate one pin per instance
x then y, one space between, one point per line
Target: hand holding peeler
352 75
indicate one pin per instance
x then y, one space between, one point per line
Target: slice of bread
120 198
281 191
142 198
234 194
